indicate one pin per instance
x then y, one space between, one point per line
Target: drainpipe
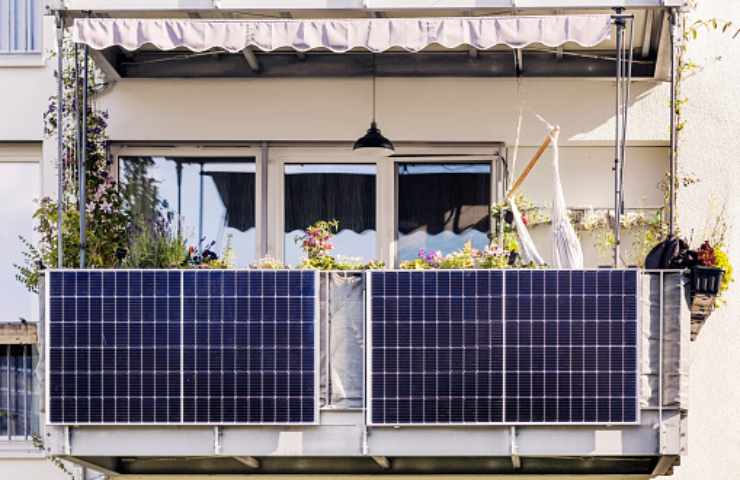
674 127
60 137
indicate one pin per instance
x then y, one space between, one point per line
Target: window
18 394
211 199
345 192
441 206
20 26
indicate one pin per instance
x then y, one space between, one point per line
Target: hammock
567 251
566 248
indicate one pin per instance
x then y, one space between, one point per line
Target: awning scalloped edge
342 35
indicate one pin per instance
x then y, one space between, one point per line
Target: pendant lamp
373 143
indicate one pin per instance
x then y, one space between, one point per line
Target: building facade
308 124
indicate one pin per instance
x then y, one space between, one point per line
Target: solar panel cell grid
434 349
126 347
521 347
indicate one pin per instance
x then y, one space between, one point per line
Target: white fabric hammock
529 251
566 248
342 35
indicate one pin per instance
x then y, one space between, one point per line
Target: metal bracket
217 440
516 460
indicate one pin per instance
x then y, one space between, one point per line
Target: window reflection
441 206
345 192
212 199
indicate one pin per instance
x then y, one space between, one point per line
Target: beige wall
408 109
709 149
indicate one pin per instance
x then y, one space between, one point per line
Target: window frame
27 57
496 185
207 151
386 182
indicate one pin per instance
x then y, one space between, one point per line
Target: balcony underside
499 63
340 445
399 465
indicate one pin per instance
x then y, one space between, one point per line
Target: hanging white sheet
342 35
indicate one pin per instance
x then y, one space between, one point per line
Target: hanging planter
706 285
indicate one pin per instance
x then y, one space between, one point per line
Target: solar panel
114 347
181 347
436 354
520 347
250 353
571 346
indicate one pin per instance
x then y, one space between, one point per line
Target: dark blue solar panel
249 347
533 346
571 354
114 347
437 347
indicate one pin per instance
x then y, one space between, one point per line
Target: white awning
341 35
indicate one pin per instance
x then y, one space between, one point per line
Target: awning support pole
674 127
625 54
620 23
60 138
178 170
83 157
200 211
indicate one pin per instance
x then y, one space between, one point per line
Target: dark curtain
349 198
237 192
444 201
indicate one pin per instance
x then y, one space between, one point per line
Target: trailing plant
106 219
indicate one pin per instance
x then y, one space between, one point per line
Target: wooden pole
528 169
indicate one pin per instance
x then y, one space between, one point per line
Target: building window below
18 395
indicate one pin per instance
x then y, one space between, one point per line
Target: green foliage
156 249
268 263
465 258
316 243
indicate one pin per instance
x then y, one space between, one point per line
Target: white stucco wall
709 149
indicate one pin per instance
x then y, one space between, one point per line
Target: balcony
192 410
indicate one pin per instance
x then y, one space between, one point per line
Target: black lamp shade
373 142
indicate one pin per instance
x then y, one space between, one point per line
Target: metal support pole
83 156
626 81
178 170
619 22
674 127
60 137
200 212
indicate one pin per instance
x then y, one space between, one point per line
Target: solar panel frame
369 357
181 272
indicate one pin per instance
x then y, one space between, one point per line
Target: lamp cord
373 120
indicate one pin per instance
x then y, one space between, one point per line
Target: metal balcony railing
652 442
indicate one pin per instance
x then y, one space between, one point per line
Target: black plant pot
704 289
706 280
